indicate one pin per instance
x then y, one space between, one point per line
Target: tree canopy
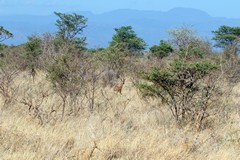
226 35
126 38
228 38
4 34
70 27
162 50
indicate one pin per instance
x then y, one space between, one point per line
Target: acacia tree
4 34
70 27
180 87
126 39
228 38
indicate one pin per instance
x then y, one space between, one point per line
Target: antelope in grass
118 87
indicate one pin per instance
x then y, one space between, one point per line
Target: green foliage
162 50
70 26
179 74
4 34
126 39
59 74
226 36
197 70
33 50
33 47
180 87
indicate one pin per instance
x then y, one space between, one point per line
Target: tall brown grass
121 127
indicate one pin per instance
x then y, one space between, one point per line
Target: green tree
227 37
70 27
4 34
33 50
126 39
162 50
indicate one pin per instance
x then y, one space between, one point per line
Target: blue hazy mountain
152 26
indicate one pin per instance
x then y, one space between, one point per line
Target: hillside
152 26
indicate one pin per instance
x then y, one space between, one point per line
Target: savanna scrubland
177 100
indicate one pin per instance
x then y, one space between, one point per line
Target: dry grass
121 127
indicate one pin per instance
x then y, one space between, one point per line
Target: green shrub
162 50
180 86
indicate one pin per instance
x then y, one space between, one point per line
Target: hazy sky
216 8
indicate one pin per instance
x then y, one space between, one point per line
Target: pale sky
216 8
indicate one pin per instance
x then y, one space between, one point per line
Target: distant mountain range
152 26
